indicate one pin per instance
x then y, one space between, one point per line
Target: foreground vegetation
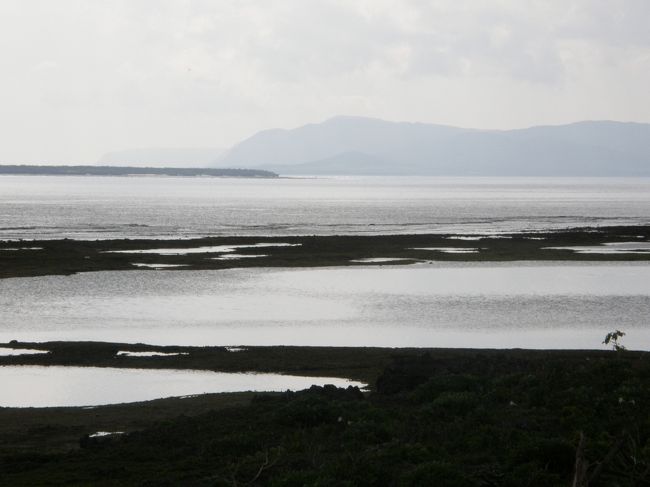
433 417
36 258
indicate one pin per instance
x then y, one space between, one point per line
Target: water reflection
35 386
213 249
106 207
609 248
527 304
10 352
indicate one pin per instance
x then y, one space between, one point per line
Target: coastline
445 406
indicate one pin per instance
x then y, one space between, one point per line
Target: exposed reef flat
50 257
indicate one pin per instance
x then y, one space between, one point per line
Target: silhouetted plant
612 338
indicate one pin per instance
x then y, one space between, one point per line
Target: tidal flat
429 416
25 258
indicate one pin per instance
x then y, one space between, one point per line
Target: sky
79 78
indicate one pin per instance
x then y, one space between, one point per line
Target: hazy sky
82 77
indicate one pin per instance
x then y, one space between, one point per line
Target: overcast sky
82 77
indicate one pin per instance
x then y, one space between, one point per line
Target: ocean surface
532 304
84 207
496 305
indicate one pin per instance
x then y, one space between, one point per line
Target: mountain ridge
347 144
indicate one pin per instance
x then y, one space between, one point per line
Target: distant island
135 171
347 145
367 146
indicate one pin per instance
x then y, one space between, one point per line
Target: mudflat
62 257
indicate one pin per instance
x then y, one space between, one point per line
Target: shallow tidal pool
60 386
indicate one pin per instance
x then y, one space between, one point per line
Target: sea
475 305
85 207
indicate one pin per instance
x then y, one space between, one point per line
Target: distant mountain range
368 146
357 145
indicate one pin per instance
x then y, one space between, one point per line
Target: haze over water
43 207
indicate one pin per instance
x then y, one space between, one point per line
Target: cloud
87 76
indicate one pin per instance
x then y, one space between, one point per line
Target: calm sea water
530 305
106 207
536 305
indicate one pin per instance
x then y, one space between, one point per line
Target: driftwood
580 478
613 451
581 475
